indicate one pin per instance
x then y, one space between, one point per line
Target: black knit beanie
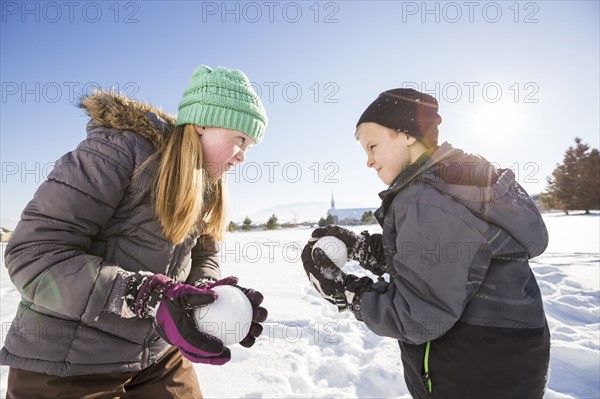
408 111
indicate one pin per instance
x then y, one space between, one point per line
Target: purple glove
259 314
171 305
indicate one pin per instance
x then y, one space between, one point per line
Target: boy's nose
370 162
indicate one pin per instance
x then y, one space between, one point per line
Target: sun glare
498 122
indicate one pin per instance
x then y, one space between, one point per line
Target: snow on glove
171 307
259 313
365 248
333 284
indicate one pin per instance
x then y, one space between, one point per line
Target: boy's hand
334 285
324 275
366 249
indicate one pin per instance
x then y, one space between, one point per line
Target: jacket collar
404 179
436 165
408 175
117 111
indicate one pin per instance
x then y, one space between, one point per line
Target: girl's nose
240 156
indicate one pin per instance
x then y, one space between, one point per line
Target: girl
117 247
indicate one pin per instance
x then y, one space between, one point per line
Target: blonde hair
186 199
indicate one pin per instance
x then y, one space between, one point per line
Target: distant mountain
295 212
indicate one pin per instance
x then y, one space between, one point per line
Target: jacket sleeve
205 260
441 258
48 257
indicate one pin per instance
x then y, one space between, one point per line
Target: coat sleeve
441 258
48 257
205 260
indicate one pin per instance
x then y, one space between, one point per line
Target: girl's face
222 148
387 150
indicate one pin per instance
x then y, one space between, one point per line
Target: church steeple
332 201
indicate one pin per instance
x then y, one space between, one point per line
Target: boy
457 235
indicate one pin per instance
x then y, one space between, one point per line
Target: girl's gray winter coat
92 217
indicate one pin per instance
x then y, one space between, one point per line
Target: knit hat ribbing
224 98
408 111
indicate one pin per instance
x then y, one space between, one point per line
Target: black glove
334 285
366 249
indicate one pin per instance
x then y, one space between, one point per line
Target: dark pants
480 362
172 376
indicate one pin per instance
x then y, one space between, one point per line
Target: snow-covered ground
310 350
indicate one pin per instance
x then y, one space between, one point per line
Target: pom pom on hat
408 111
224 98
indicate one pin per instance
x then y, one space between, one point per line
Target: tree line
272 224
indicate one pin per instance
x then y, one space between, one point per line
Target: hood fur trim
117 111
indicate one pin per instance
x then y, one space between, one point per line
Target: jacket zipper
427 377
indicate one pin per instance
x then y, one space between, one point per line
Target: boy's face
387 150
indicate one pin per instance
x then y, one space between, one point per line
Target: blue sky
516 82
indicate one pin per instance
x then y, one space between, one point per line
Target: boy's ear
410 139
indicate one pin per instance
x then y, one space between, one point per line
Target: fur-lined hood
117 111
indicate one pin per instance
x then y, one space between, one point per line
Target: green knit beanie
222 97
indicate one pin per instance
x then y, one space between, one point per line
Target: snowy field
310 350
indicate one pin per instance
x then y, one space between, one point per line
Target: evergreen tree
367 218
231 227
330 219
272 223
327 221
247 224
574 184
549 197
590 176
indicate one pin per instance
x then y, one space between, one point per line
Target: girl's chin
216 175
216 171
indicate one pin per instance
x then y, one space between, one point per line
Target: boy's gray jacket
457 234
92 217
